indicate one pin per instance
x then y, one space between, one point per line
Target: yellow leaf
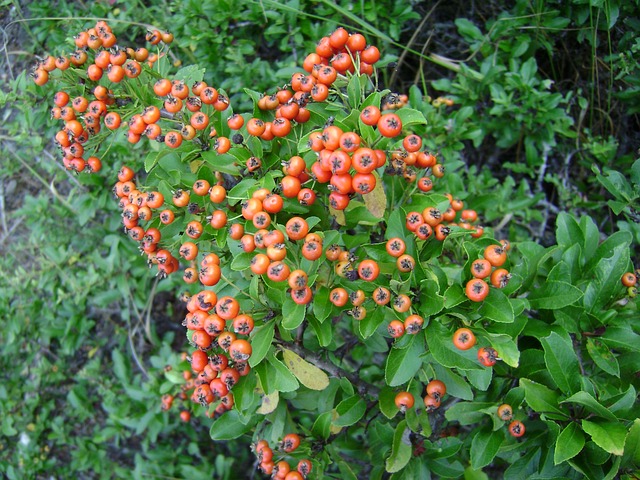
269 403
195 165
309 375
334 429
376 199
339 215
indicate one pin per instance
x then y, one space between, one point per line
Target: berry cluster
83 115
281 469
254 187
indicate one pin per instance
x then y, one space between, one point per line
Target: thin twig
50 187
3 219
135 355
412 41
147 320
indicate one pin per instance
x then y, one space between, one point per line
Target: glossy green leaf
292 313
612 262
506 347
591 404
485 446
230 426
622 338
497 307
541 398
445 468
402 364
454 295
350 410
457 386
569 443
568 232
603 357
480 379
242 262
322 426
274 375
321 304
561 362
261 339
400 450
468 413
369 325
386 402
554 295
610 436
409 116
324 331
632 445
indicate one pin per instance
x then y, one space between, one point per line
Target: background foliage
542 138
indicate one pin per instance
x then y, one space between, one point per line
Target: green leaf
402 364
468 413
471 474
506 347
480 379
190 74
401 449
386 402
350 410
468 30
612 263
485 446
324 331
230 426
242 261
274 375
454 295
369 324
321 304
441 347
322 426
309 375
241 190
7 427
632 445
261 339
610 436
409 116
568 232
354 91
292 313
591 404
553 295
561 362
226 163
497 307
540 398
623 338
569 443
174 376
603 357
456 385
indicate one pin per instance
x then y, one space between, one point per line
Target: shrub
344 305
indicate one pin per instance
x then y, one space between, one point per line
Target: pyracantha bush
338 286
